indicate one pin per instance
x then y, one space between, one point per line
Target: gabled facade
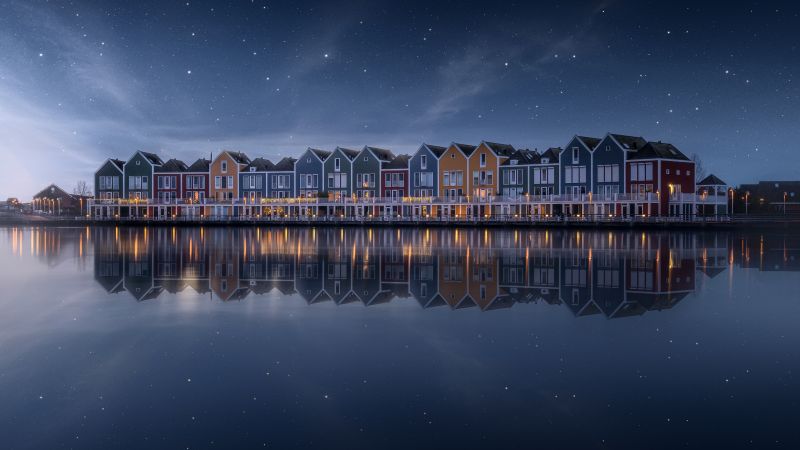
224 177
108 182
338 173
195 181
608 163
168 181
224 172
484 165
138 179
309 172
423 168
515 174
575 164
280 179
453 177
367 171
544 174
394 178
660 168
253 180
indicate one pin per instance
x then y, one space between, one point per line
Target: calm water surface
378 338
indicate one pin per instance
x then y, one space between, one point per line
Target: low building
58 202
713 196
768 197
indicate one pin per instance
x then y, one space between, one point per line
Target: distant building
768 197
712 196
56 201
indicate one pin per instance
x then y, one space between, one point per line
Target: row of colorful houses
614 175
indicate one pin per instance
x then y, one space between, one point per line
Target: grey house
423 168
610 155
576 166
367 170
280 179
309 171
108 183
253 180
544 174
515 173
138 170
338 173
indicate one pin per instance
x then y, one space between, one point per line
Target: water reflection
614 274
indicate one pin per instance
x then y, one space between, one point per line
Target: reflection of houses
139 254
108 262
609 274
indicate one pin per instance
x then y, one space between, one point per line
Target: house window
224 166
575 159
423 162
483 159
667 172
308 160
608 148
366 158
337 164
678 172
688 172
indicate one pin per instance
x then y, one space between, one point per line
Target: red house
167 185
395 181
195 181
660 181
394 177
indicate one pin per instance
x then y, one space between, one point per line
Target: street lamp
784 203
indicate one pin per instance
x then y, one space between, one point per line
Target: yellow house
224 181
453 178
484 166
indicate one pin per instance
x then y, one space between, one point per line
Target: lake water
382 338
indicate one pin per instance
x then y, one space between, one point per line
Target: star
326 55
189 72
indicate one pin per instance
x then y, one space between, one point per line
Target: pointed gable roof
659 150
173 165
239 157
118 163
383 155
321 154
437 150
522 157
551 155
284 165
201 165
349 152
152 157
632 143
500 149
712 180
589 142
466 149
259 165
53 191
399 162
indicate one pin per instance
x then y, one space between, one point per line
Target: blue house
280 179
253 180
338 173
514 173
608 163
309 170
575 162
423 170
545 173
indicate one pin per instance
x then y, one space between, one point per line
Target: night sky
84 81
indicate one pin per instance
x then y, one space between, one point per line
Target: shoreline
738 223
